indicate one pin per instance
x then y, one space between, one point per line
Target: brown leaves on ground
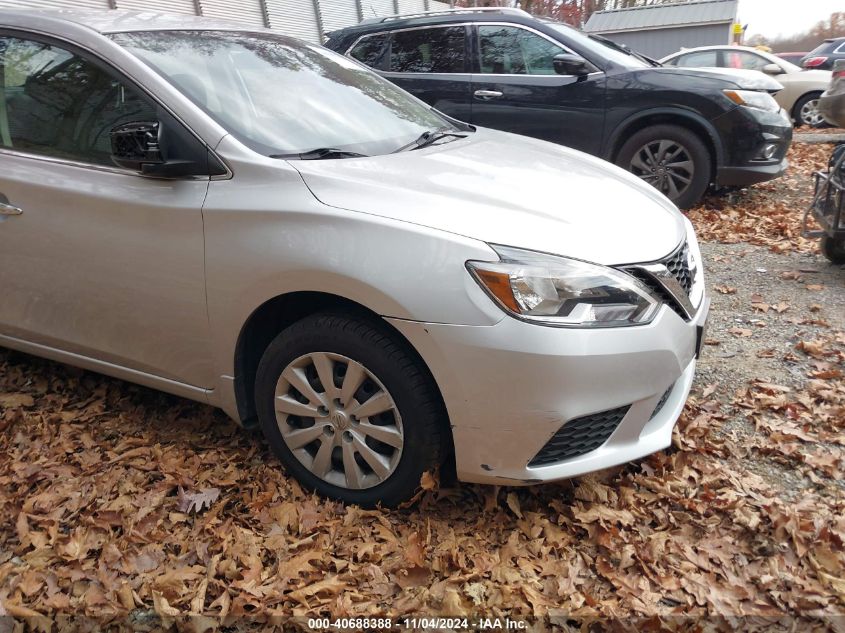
768 214
101 523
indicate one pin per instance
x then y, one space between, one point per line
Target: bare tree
833 26
575 12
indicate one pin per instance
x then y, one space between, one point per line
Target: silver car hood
507 189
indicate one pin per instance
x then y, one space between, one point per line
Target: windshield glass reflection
281 96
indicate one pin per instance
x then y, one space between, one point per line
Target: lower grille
580 436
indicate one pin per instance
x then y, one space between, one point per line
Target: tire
686 178
833 249
341 449
805 111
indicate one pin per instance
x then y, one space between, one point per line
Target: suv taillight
814 61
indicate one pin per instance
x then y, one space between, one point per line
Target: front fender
665 114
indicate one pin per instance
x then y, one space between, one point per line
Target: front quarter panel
266 235
631 94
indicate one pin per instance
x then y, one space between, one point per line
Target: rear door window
699 59
430 50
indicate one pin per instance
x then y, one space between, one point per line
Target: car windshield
598 48
280 96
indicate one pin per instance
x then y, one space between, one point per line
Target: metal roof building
305 19
658 30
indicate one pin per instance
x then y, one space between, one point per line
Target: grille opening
580 436
678 266
659 291
662 402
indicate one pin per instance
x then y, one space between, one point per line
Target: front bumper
750 174
744 133
510 387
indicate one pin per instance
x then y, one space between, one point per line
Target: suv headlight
563 292
753 99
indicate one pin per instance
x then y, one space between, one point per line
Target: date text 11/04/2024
453 624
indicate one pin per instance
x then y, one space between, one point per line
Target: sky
784 17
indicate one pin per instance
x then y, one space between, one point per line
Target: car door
95 260
430 63
516 89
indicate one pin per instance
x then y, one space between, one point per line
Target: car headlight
753 99
563 292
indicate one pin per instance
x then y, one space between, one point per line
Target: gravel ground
763 305
809 290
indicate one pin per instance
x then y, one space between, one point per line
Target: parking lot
138 504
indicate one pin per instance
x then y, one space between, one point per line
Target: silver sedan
257 223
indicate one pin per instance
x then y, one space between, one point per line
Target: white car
258 223
801 87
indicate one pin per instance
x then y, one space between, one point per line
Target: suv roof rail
421 14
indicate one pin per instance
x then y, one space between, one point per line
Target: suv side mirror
569 64
772 69
141 146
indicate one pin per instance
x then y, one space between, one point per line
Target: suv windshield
283 97
601 50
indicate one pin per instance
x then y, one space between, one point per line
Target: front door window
509 50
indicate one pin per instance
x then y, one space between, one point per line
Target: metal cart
828 207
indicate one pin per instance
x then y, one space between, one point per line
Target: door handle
9 209
487 95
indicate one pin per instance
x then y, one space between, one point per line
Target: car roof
437 18
724 47
120 21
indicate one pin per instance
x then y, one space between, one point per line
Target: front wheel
806 111
672 159
833 249
348 409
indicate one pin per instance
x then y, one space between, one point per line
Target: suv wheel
670 158
806 111
348 410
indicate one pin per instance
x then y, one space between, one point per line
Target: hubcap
665 165
810 114
339 420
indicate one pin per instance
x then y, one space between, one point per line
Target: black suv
823 55
680 129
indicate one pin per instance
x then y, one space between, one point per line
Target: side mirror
141 146
568 64
135 144
772 69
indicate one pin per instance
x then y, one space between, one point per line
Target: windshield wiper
428 137
321 153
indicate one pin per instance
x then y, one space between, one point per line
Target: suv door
429 62
517 90
95 260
